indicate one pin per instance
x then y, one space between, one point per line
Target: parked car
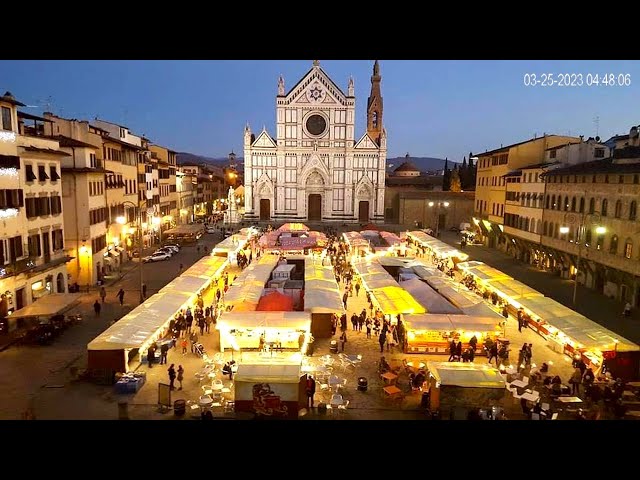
211 229
157 257
166 250
173 248
172 245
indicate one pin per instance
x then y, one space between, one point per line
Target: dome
407 169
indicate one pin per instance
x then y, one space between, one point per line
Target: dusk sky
431 108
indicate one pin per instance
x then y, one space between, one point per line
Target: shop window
613 245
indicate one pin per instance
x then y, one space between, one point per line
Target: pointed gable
312 79
365 143
264 140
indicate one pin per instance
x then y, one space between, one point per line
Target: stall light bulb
550 362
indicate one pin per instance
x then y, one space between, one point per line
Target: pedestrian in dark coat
180 376
343 340
382 338
120 296
201 324
97 307
151 354
453 349
164 350
311 390
172 377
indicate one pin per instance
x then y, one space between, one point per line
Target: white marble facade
314 169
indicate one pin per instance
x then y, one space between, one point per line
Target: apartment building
591 224
186 185
166 166
32 255
491 183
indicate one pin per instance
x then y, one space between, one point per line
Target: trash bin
179 408
333 346
322 408
363 384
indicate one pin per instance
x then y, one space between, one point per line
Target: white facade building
315 168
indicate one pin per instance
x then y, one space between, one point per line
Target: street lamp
122 220
570 218
438 206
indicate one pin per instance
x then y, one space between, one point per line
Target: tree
464 174
455 185
446 178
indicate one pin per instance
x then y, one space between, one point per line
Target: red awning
275 302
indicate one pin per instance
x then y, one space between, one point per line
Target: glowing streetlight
564 230
601 230
121 220
431 204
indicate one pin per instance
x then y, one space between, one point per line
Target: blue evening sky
431 108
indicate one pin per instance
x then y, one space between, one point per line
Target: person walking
382 338
493 353
207 323
194 339
144 291
343 340
172 377
180 376
97 307
357 288
368 324
201 324
311 390
184 344
120 296
164 350
151 354
103 294
575 381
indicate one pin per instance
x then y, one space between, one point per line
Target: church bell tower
374 106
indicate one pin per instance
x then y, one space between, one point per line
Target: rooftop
506 148
607 165
9 98
406 167
71 142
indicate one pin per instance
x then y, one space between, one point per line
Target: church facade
315 169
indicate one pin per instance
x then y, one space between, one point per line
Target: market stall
437 248
230 247
248 287
431 333
322 298
270 389
429 298
394 300
275 302
47 306
358 245
280 330
468 386
483 273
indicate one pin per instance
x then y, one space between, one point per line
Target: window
553 202
93 161
628 248
98 243
56 205
600 242
618 211
605 205
29 175
290 131
598 153
338 176
42 173
633 207
551 229
57 240
15 248
7 124
35 249
592 205
54 173
338 200
290 199
566 203
573 204
546 205
545 227
582 205
552 154
613 246
11 198
620 178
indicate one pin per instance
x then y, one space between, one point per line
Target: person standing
103 294
194 339
180 376
575 381
357 288
120 296
151 354
207 323
201 324
311 390
97 307
520 319
184 344
368 324
172 377
144 291
343 340
381 340
164 350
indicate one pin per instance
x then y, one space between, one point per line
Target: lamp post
439 206
122 221
571 219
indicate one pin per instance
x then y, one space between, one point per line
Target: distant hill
424 164
185 158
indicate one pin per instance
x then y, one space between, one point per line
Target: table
336 400
519 383
391 390
532 397
389 377
205 402
335 382
354 358
569 400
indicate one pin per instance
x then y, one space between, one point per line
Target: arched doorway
60 287
265 209
363 212
315 207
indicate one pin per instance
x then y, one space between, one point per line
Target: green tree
455 185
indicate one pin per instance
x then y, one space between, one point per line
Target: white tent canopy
249 285
429 298
48 305
258 320
467 374
268 373
321 291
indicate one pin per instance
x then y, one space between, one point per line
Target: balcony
18 267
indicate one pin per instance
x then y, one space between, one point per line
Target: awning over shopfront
48 305
469 374
483 272
275 302
513 289
293 228
449 323
438 247
355 240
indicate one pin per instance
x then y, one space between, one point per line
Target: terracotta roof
71 142
86 170
406 167
606 165
46 150
29 116
120 142
506 148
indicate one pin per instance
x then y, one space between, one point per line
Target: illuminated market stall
429 298
438 248
358 245
129 338
280 330
248 287
432 333
464 386
230 247
322 297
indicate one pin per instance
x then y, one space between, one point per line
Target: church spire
350 88
281 86
374 105
316 63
